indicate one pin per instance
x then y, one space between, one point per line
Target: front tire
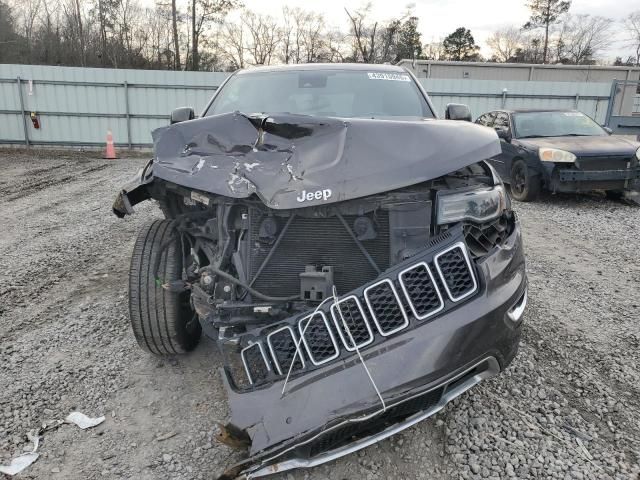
525 183
162 321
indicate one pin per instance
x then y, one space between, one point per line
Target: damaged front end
357 274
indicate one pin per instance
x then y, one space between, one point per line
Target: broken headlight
479 205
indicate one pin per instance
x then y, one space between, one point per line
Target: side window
502 120
486 119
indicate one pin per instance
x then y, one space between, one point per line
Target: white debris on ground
82 421
568 408
21 462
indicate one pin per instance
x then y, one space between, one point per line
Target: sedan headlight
555 155
479 205
638 153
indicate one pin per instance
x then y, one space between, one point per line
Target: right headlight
555 155
479 205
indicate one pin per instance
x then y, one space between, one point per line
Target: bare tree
504 43
75 22
203 14
364 35
545 13
583 37
29 11
336 46
313 37
379 42
433 50
632 34
263 37
176 39
231 43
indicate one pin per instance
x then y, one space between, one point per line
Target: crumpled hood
586 146
293 161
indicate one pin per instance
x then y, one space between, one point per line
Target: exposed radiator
320 242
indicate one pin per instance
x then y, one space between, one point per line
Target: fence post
127 113
24 120
504 97
577 100
612 100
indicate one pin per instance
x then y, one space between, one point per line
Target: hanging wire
334 297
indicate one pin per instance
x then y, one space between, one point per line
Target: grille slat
456 273
349 311
282 345
421 291
255 363
318 338
386 307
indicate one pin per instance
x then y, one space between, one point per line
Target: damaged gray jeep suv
356 259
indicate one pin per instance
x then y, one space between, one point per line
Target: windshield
554 124
330 93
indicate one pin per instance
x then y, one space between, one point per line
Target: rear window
331 93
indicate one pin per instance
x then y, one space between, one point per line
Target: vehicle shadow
583 199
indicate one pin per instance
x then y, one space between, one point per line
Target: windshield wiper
555 136
572 135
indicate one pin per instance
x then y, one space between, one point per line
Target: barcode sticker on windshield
398 77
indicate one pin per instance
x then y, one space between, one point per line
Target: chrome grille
349 314
456 272
318 338
255 362
383 306
282 346
420 288
386 307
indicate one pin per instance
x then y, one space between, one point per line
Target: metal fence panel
77 106
485 95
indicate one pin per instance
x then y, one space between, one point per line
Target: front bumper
335 408
593 174
598 175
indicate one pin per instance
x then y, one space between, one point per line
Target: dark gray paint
280 156
429 353
597 146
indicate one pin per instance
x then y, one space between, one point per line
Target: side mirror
608 130
182 114
457 111
503 134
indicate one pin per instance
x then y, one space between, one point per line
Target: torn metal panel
293 161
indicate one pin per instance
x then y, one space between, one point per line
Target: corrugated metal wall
486 95
76 106
520 71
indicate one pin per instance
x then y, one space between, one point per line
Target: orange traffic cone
110 152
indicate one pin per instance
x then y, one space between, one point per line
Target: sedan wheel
525 183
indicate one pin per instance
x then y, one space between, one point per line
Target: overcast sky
438 18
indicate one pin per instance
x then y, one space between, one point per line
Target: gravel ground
569 407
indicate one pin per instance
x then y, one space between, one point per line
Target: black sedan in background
561 151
